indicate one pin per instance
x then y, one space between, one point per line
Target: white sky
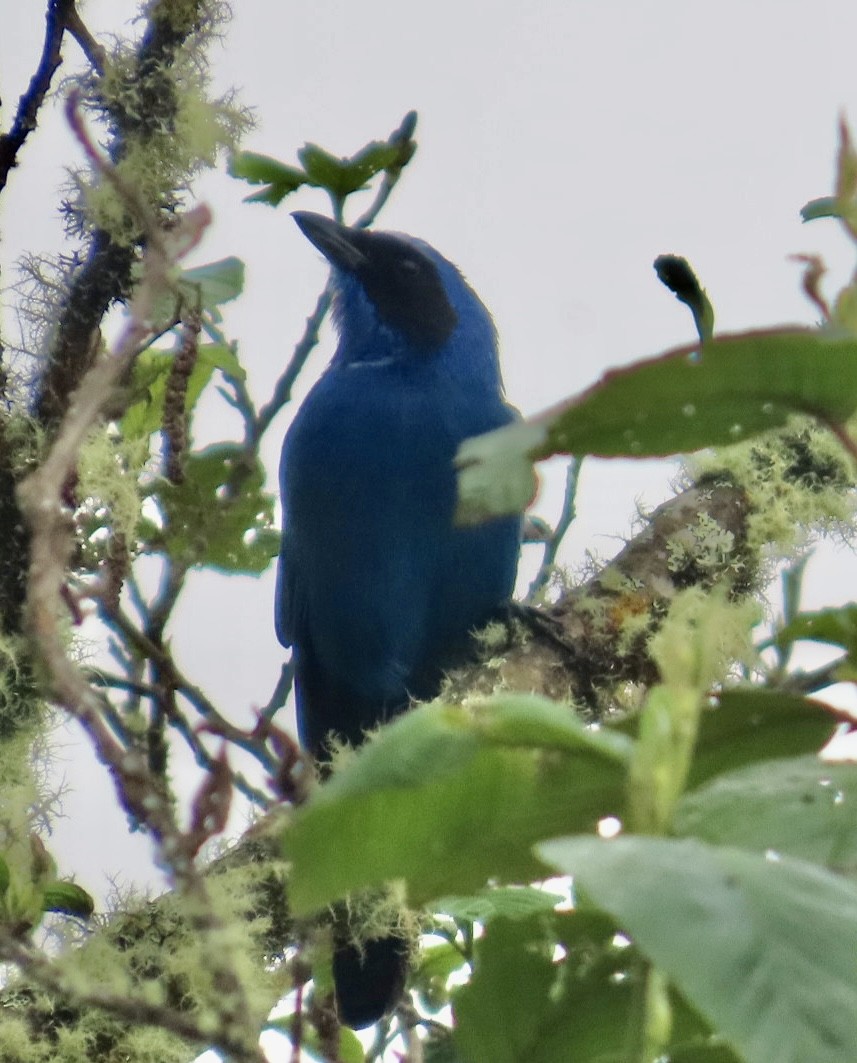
563 145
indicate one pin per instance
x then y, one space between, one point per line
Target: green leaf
437 964
802 806
676 273
338 176
499 1015
203 527
447 797
720 392
511 902
749 726
5 878
67 897
835 627
764 949
280 179
522 1006
824 207
214 284
341 177
496 474
145 412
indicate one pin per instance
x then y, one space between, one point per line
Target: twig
173 675
566 519
90 47
56 22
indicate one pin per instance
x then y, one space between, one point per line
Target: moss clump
799 482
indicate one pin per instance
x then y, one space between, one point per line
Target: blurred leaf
4 876
720 392
145 412
512 902
763 949
447 797
500 1015
496 474
438 962
835 627
676 273
439 1047
803 806
341 177
824 207
204 527
715 1052
263 170
524 1005
214 284
69 898
749 726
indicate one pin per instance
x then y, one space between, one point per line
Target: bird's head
396 289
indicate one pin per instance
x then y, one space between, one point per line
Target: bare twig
566 518
56 22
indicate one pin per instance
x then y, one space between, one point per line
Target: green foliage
833 627
726 390
145 412
202 524
738 911
799 806
763 946
507 771
29 887
339 177
68 898
676 273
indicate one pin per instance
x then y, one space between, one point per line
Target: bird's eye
409 267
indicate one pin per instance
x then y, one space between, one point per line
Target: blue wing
375 583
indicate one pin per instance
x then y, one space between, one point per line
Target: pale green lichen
703 636
494 636
705 545
170 128
162 953
799 483
379 912
20 707
109 472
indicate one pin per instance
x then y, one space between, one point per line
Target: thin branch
56 22
173 675
566 519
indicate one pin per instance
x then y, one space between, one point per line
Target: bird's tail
369 977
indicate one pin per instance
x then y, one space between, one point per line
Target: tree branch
57 20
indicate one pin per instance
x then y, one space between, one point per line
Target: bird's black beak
341 246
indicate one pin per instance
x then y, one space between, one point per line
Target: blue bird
378 591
